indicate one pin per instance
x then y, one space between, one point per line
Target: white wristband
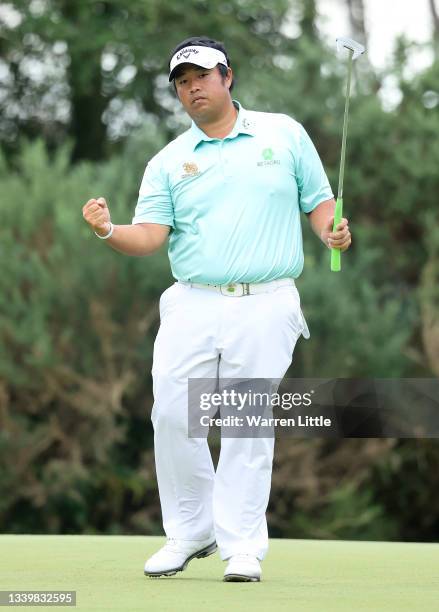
107 235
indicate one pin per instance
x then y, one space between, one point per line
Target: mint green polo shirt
234 204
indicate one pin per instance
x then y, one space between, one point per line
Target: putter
355 50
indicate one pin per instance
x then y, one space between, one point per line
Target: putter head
353 45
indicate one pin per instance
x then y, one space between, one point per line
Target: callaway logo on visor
185 53
206 57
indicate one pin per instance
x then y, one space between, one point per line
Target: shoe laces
171 545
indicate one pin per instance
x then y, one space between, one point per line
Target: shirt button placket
221 160
225 165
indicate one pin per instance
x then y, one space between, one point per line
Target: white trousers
204 334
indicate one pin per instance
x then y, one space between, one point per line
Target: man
228 192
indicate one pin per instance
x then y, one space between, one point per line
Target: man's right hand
138 239
97 215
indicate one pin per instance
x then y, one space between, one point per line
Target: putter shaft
345 128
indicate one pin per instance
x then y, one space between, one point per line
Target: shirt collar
243 125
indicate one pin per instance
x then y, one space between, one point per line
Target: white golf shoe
243 568
174 556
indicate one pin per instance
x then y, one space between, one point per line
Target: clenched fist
97 215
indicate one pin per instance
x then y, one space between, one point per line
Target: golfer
228 194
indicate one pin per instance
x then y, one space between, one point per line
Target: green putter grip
336 253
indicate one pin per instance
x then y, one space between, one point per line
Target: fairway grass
107 574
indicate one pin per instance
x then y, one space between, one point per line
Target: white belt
240 289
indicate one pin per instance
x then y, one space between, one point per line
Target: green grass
107 574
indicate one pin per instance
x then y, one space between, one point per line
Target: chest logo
267 156
190 170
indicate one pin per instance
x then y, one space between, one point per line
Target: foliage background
84 104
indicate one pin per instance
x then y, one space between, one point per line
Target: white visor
206 57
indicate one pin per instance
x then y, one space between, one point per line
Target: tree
435 18
357 20
95 69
